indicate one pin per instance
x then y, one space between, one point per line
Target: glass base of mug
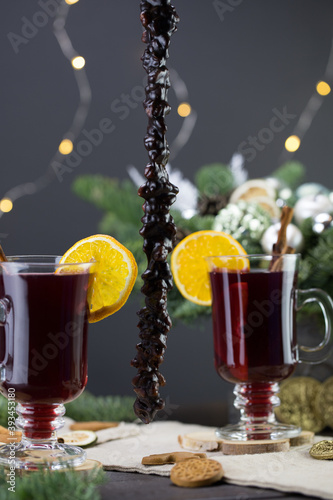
30 455
243 432
39 447
256 403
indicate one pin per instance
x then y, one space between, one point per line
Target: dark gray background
263 55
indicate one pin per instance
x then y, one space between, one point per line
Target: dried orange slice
252 189
267 204
115 271
189 267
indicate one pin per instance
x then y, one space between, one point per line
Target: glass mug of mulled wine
43 354
254 304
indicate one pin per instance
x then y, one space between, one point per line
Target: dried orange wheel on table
189 267
115 271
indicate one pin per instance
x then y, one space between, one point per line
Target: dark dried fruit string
159 19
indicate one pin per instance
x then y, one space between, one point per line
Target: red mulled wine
44 340
254 325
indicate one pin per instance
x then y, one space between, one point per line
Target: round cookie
195 473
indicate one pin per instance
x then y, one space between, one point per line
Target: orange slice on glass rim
115 271
189 267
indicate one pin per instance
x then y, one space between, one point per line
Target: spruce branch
104 408
195 223
310 237
3 411
290 173
183 310
111 195
50 485
89 407
317 265
214 179
123 231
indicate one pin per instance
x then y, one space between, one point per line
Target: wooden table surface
129 485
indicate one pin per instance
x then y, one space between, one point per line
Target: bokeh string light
184 110
323 88
292 143
66 145
6 205
78 62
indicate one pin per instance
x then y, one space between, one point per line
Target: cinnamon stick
281 247
286 217
92 426
3 257
8 438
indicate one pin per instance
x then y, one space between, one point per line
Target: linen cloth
292 471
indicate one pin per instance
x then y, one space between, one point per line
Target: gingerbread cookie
171 458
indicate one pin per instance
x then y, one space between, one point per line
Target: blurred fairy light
6 205
179 87
292 143
309 112
184 109
78 62
78 121
66 147
323 88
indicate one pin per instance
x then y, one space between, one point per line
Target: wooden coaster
252 447
85 467
195 473
200 441
208 441
306 437
89 465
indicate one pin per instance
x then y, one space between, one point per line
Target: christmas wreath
222 198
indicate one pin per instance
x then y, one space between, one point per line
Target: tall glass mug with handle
254 304
43 355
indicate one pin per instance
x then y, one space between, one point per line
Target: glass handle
319 353
4 311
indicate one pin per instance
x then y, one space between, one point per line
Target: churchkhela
159 20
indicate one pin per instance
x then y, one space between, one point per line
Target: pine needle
89 407
51 485
104 408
